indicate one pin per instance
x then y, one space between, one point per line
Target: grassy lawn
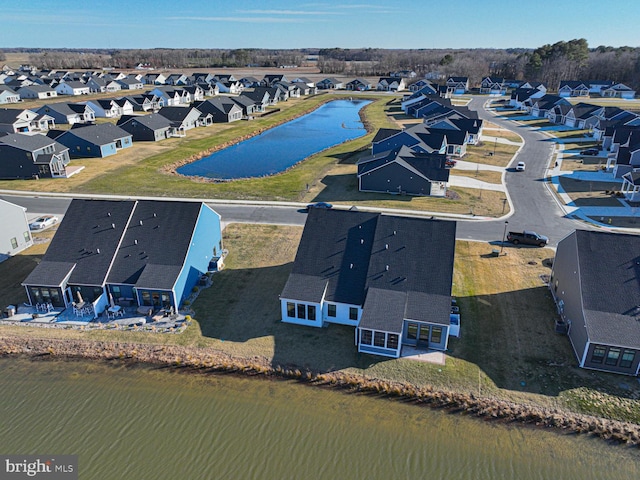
490 153
507 349
590 194
488 176
572 163
607 102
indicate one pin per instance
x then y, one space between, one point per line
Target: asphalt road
534 207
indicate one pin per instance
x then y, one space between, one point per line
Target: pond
281 147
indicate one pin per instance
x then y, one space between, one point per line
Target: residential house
154 79
70 113
15 120
250 82
146 128
389 277
104 108
177 79
631 186
619 90
421 139
209 90
305 89
195 92
249 107
423 86
15 235
146 252
101 85
270 79
260 96
403 74
146 102
172 96
573 88
595 282
37 92
7 95
596 86
93 141
493 86
539 107
404 172
131 83
457 85
232 87
359 85
520 95
181 118
32 156
624 156
309 83
202 77
391 84
222 109
72 87
329 84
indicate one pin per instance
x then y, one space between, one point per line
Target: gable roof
99 134
155 244
153 121
363 254
88 238
29 143
612 314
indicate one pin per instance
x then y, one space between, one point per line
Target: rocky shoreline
210 361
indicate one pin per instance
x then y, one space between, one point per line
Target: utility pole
504 234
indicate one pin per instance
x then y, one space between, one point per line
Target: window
14 242
612 356
392 341
115 292
291 309
311 312
598 355
627 358
365 337
378 339
301 310
436 334
331 310
412 331
353 313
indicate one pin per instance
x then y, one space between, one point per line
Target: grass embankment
508 349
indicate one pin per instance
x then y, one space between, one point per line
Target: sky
278 24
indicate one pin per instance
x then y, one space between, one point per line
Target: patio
128 319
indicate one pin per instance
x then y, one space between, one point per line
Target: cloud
287 12
240 19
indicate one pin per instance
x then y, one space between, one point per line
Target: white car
43 222
520 167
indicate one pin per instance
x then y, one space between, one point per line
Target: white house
14 235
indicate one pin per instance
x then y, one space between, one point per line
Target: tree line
551 63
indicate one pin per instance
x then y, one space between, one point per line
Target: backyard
508 348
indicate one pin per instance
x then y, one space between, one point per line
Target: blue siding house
150 253
93 141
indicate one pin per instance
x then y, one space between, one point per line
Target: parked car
590 151
527 238
520 167
319 205
43 222
450 162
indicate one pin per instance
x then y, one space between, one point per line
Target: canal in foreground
281 147
137 422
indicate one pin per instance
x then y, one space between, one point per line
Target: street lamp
504 233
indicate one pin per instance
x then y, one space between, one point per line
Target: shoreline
209 361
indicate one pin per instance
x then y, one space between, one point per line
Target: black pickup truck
527 238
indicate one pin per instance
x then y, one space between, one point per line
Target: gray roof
49 273
10 115
610 283
29 143
153 121
155 244
99 134
352 255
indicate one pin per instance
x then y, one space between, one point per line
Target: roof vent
135 242
97 250
108 214
140 222
113 225
154 215
387 268
360 226
386 246
351 266
362 241
394 232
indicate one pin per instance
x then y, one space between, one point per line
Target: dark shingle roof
49 273
356 254
153 121
99 134
88 228
155 244
29 143
610 283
